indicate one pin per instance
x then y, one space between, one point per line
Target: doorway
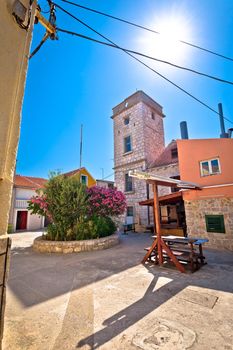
21 221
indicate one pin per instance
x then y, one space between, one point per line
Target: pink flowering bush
75 211
39 205
106 201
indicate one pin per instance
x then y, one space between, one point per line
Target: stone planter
43 246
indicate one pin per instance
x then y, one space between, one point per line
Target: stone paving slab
107 300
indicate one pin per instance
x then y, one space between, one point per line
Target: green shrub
85 228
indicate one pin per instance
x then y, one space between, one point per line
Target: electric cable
147 29
143 63
146 56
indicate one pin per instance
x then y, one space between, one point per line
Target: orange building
208 211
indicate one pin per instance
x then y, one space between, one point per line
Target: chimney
184 130
223 134
230 132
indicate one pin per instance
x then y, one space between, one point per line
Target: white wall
24 193
34 222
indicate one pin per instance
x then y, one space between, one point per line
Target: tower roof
138 96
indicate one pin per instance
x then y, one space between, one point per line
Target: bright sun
166 45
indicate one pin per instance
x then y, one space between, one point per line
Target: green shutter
215 223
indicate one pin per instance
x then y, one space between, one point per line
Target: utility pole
81 145
102 169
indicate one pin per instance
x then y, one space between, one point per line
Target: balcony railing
21 203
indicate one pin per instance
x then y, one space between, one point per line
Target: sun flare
166 45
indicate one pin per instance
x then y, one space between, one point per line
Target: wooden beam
45 23
158 224
150 251
178 265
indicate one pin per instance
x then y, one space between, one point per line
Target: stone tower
138 141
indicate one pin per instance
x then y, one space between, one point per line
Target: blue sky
73 81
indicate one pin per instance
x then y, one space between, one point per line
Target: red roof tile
29 181
166 157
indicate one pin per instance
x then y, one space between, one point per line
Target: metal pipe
184 130
230 132
222 125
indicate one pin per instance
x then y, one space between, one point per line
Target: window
126 120
215 223
210 167
127 144
110 185
174 153
129 211
153 115
128 183
84 179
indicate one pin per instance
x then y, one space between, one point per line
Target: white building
23 190
105 183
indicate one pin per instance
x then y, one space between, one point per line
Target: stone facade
145 127
167 171
43 246
196 225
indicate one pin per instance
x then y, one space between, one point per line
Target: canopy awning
162 180
167 199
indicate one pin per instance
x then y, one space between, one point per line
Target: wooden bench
184 252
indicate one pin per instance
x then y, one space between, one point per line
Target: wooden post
157 221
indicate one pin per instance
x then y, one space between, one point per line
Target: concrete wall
14 50
15 43
191 152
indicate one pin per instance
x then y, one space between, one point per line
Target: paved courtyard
108 300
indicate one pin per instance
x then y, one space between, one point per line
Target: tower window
153 116
127 144
126 120
128 183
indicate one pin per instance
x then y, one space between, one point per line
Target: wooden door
21 223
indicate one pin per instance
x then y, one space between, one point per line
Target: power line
106 177
147 29
146 65
146 56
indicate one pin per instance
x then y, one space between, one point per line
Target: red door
21 223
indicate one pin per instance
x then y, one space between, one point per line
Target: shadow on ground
142 290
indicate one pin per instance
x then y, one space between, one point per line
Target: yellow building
84 175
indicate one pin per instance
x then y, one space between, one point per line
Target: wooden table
184 248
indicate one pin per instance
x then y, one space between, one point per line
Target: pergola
155 181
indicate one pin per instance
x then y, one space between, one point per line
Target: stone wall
168 171
43 246
147 136
195 218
